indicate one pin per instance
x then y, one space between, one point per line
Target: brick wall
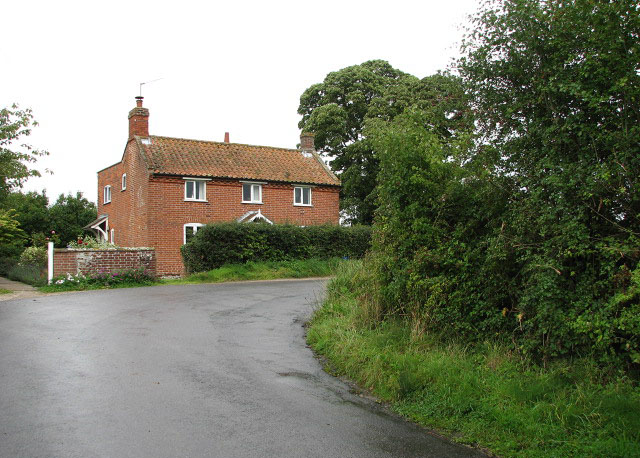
97 261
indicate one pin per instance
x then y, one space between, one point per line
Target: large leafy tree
70 214
32 211
531 231
338 109
16 160
557 87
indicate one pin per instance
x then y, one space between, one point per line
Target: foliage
338 109
117 279
91 243
528 233
15 124
6 264
11 236
30 274
34 256
266 270
69 215
487 396
5 291
32 211
218 244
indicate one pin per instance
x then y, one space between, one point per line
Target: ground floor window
190 230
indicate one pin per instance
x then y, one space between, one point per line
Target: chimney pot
226 137
139 120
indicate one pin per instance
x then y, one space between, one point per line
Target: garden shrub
232 243
34 256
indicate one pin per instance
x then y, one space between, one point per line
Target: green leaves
15 160
339 110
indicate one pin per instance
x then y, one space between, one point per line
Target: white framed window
302 196
251 193
190 230
195 190
107 194
124 181
113 236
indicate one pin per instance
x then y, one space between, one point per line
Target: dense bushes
231 243
530 233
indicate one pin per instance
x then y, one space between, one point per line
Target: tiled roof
195 158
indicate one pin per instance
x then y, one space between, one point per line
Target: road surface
184 371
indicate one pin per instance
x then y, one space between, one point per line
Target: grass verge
5 291
269 270
233 272
482 395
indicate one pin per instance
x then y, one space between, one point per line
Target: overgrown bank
487 395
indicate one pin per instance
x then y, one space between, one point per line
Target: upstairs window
107 194
251 193
124 181
195 190
302 196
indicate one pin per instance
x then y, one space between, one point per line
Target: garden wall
100 261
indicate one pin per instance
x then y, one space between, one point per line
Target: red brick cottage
164 189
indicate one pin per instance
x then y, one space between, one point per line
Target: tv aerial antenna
148 82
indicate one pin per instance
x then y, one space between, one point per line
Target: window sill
196 200
302 205
105 203
249 202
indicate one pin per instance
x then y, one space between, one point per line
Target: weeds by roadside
480 395
5 291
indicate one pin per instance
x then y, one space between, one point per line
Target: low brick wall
98 261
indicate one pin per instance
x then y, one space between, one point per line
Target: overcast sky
225 66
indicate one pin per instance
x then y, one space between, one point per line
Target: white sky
226 66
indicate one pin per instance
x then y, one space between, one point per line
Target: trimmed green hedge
232 243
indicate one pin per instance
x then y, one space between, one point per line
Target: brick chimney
306 142
226 137
139 120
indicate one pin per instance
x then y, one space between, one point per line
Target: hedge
231 243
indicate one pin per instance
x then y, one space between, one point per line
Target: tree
15 161
11 236
32 211
556 85
530 232
338 109
70 214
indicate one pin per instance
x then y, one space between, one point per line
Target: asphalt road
184 371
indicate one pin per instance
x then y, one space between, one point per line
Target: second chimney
139 120
307 142
226 137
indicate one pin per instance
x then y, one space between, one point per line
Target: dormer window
124 181
106 198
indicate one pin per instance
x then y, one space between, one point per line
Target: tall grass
482 395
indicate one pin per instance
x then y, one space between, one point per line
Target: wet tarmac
184 371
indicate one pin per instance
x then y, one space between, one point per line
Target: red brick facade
98 261
152 210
